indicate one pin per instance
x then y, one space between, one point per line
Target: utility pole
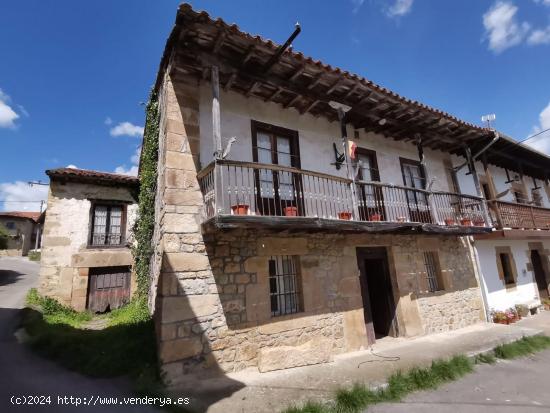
31 184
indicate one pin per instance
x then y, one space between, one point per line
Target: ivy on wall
145 223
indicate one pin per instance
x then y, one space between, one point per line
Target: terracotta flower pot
291 211
240 209
466 222
449 221
375 217
344 215
479 223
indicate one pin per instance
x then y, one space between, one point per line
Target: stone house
302 211
23 228
86 261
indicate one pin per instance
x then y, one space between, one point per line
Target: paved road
509 386
22 373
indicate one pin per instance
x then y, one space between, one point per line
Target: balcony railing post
218 188
533 217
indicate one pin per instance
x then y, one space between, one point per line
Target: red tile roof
89 176
33 216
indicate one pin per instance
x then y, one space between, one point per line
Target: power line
8 200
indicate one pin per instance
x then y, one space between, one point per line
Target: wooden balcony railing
519 216
245 188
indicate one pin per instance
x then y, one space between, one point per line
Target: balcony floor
313 224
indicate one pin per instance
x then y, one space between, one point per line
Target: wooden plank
310 106
230 81
216 123
292 101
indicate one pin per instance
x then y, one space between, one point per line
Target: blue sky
74 74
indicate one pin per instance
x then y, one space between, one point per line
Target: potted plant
522 310
449 221
375 217
401 219
499 317
479 222
346 215
511 315
466 222
546 303
291 211
240 209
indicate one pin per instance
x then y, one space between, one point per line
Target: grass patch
55 313
399 385
523 347
126 347
485 358
34 255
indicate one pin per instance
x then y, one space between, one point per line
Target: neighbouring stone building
23 229
86 261
270 254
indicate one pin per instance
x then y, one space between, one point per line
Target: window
108 223
506 265
537 197
10 225
284 285
433 271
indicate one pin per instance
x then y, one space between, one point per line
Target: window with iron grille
284 285
433 273
107 225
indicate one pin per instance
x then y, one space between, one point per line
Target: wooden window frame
438 276
405 161
123 223
273 130
499 251
298 285
372 154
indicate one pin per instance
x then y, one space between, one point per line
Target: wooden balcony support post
350 170
217 141
471 164
427 185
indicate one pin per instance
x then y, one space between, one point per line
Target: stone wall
211 292
22 236
66 258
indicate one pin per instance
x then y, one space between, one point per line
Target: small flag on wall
351 149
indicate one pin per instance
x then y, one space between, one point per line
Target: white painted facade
498 296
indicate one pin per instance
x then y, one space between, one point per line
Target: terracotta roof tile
90 176
21 214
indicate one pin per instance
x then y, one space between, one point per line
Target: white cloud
14 192
7 115
134 167
542 142
400 8
502 27
356 5
127 129
539 36
71 166
108 121
545 2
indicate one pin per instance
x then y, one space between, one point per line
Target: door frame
365 211
364 253
543 293
274 205
424 216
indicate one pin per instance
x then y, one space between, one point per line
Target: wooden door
413 177
371 199
277 191
108 288
540 274
377 293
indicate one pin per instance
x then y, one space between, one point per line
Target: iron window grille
107 225
432 271
284 285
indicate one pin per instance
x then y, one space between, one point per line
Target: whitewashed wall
316 136
498 297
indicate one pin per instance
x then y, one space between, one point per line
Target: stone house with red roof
23 228
86 261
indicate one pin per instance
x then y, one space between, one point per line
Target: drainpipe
479 277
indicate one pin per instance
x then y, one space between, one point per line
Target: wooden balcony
519 216
245 194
